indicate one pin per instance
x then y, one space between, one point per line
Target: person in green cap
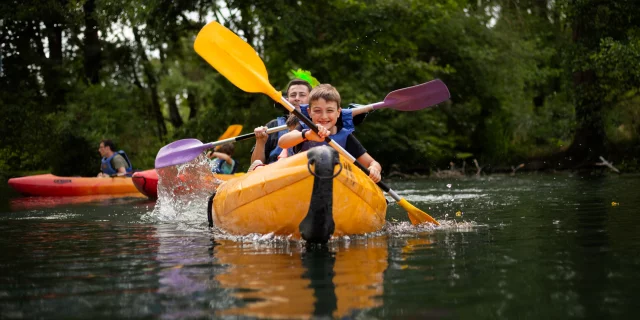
266 149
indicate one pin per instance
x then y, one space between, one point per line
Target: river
528 247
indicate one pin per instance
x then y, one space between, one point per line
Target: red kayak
147 181
55 186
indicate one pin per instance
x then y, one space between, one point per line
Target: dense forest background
549 83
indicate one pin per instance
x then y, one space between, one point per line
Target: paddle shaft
243 137
338 147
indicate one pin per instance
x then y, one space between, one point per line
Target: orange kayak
312 195
55 186
147 181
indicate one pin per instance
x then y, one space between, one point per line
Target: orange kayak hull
275 199
54 186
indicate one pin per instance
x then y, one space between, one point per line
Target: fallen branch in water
513 170
448 174
608 164
477 167
453 167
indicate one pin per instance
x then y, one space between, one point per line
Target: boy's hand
322 131
374 174
318 137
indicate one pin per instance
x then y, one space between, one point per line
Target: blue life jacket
107 168
273 155
217 166
347 118
340 137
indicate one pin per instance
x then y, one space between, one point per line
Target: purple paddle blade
417 97
179 152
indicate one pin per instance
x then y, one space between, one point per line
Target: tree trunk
92 49
174 112
17 66
52 66
589 141
481 137
246 24
192 101
152 84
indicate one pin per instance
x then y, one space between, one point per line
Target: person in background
292 124
221 161
114 163
266 148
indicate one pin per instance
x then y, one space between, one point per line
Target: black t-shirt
354 147
272 143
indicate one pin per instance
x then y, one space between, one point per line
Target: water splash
183 191
393 229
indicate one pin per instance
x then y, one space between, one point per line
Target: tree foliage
528 78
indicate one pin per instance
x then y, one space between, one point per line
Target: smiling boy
324 110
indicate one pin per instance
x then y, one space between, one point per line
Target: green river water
526 247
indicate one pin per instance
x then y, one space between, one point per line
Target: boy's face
298 94
324 112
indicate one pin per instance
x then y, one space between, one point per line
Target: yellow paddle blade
416 215
232 131
235 59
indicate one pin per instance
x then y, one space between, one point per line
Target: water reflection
31 203
276 281
591 259
69 268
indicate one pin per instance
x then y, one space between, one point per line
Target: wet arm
290 139
361 110
261 141
258 152
374 167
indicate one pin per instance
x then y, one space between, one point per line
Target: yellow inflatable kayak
313 195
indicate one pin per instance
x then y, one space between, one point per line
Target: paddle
414 98
232 131
237 61
185 150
